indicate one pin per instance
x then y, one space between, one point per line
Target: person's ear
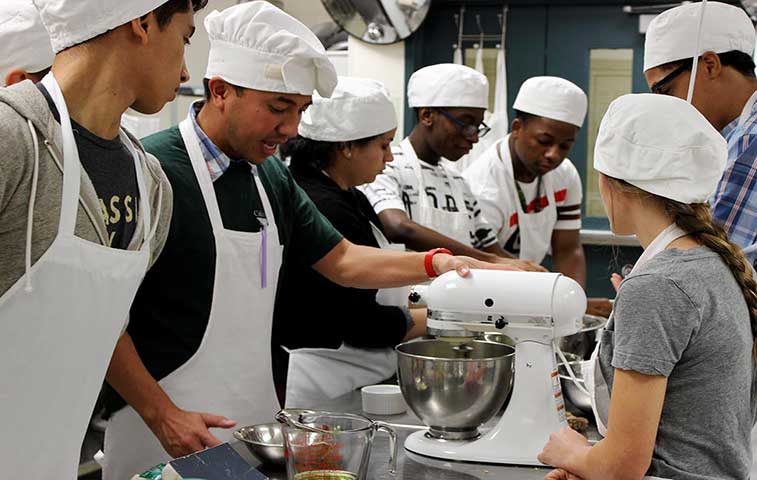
17 76
141 27
220 91
427 116
515 128
713 68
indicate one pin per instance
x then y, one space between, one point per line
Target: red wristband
428 261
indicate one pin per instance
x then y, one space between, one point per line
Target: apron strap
409 152
71 165
144 200
192 143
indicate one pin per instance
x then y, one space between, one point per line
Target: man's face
446 136
162 61
541 144
258 122
674 81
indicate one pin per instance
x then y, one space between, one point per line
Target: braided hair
695 219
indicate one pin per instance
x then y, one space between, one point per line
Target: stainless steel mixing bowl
265 442
455 388
579 399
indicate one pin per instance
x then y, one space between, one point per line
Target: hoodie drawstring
32 201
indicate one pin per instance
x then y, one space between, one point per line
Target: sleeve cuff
641 364
568 225
389 204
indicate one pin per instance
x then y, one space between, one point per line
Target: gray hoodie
19 105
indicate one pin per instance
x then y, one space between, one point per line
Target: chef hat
71 22
552 97
24 42
358 108
256 45
662 145
448 85
672 35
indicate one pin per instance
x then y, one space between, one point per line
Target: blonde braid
695 219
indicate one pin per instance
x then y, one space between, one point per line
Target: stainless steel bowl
265 442
455 388
583 342
575 396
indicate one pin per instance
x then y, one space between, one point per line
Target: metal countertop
409 465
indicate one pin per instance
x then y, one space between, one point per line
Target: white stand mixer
533 309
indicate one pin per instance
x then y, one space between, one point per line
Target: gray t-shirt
683 316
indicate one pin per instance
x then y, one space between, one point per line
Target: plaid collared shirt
734 204
217 161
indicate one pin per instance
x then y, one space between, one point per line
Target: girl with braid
672 379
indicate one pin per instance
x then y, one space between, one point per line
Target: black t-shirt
110 166
325 314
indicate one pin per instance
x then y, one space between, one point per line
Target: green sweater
171 310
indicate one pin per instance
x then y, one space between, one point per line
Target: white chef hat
256 45
552 97
24 42
672 35
448 85
358 108
662 145
71 22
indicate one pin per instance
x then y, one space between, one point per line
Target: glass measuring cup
331 446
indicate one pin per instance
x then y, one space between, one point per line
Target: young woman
338 338
673 375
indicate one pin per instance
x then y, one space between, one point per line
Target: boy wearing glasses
528 190
419 201
725 92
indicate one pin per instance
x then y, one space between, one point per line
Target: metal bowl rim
238 435
442 359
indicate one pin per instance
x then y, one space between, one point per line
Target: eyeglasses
468 130
657 87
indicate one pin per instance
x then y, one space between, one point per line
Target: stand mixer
534 309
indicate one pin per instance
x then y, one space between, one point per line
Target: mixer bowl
578 398
455 388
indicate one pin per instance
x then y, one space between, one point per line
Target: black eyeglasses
468 130
657 87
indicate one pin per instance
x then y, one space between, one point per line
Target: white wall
309 12
385 63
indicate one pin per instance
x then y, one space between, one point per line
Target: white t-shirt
501 213
397 188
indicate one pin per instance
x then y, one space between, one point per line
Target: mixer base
479 451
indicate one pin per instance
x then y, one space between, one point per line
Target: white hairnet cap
552 97
662 145
256 45
672 35
71 22
448 85
359 108
24 42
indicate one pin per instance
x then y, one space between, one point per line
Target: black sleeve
344 314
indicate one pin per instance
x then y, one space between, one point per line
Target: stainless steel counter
409 465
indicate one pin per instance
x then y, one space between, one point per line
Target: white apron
455 225
59 325
536 227
594 380
231 373
317 375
